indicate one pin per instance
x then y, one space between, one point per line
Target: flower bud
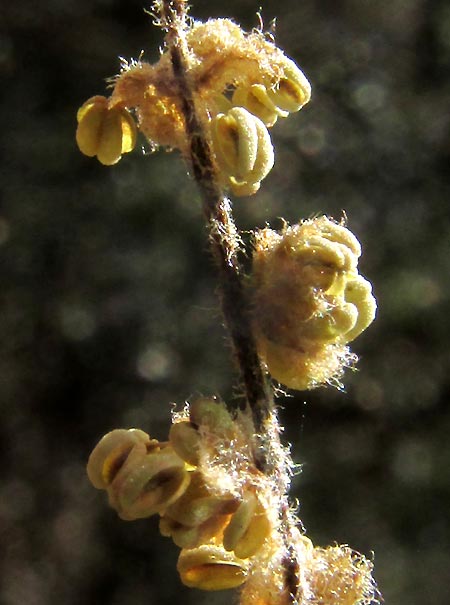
111 453
210 567
248 528
104 131
341 576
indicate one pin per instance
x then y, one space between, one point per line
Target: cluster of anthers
242 84
221 510
202 483
309 301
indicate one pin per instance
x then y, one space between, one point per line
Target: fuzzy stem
224 238
224 242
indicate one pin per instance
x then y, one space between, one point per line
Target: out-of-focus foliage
108 309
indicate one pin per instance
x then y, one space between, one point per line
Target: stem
224 242
223 234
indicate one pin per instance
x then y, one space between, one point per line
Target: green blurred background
109 312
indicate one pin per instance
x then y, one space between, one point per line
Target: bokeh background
108 307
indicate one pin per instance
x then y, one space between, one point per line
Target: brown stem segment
224 237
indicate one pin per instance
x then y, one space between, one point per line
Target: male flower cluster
309 301
222 511
242 83
218 519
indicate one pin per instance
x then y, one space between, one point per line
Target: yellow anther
265 156
104 131
235 141
149 485
256 99
292 91
358 292
183 536
197 504
185 440
248 528
195 512
330 323
191 537
111 453
320 251
212 415
242 147
210 567
337 233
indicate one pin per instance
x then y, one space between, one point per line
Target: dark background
108 309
